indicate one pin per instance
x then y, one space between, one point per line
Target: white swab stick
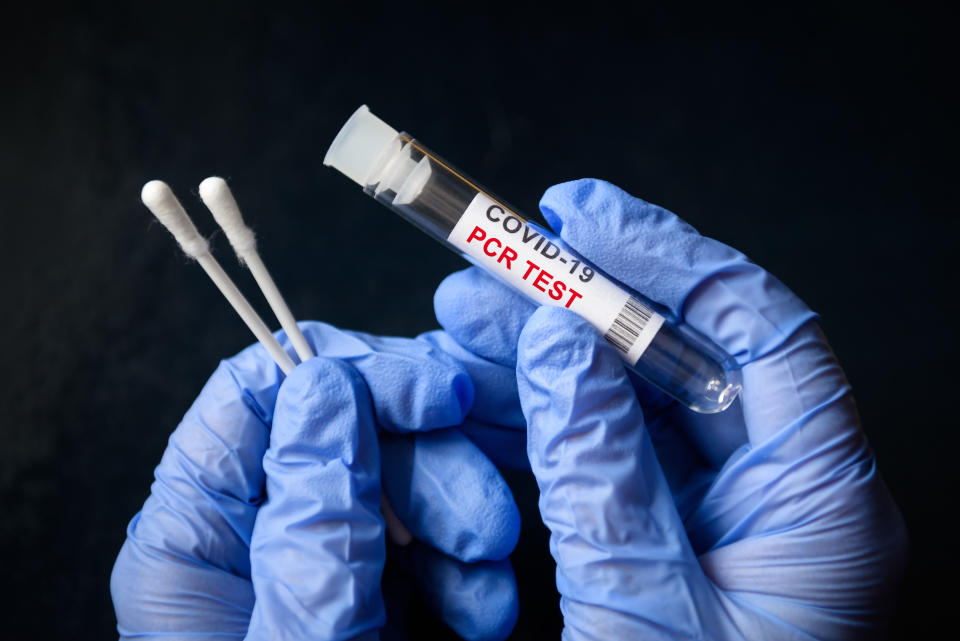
395 527
219 200
160 200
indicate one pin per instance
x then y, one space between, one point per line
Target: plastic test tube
412 181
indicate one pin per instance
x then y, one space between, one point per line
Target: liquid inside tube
454 210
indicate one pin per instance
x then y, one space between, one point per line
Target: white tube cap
357 149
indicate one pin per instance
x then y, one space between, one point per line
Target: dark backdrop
818 141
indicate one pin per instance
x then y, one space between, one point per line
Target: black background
817 140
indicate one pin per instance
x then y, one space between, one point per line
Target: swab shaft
395 527
245 311
278 305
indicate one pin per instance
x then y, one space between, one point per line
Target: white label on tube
520 254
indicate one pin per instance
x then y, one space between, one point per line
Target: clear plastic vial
415 183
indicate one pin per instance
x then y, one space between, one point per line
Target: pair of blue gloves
767 521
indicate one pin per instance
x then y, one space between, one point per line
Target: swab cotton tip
219 200
162 203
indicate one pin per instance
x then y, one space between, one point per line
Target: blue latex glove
767 521
271 486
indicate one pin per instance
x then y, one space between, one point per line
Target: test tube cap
356 150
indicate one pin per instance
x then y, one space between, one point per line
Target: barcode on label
629 324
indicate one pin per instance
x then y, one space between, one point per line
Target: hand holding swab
219 200
161 201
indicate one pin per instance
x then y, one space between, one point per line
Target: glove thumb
625 568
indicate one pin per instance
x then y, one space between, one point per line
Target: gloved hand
271 486
767 521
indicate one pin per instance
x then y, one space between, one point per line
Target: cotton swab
219 200
161 201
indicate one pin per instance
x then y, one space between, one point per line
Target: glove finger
495 385
185 566
317 551
482 314
625 568
713 287
477 600
449 494
807 500
413 384
808 444
159 595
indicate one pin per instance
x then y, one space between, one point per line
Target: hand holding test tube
765 521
